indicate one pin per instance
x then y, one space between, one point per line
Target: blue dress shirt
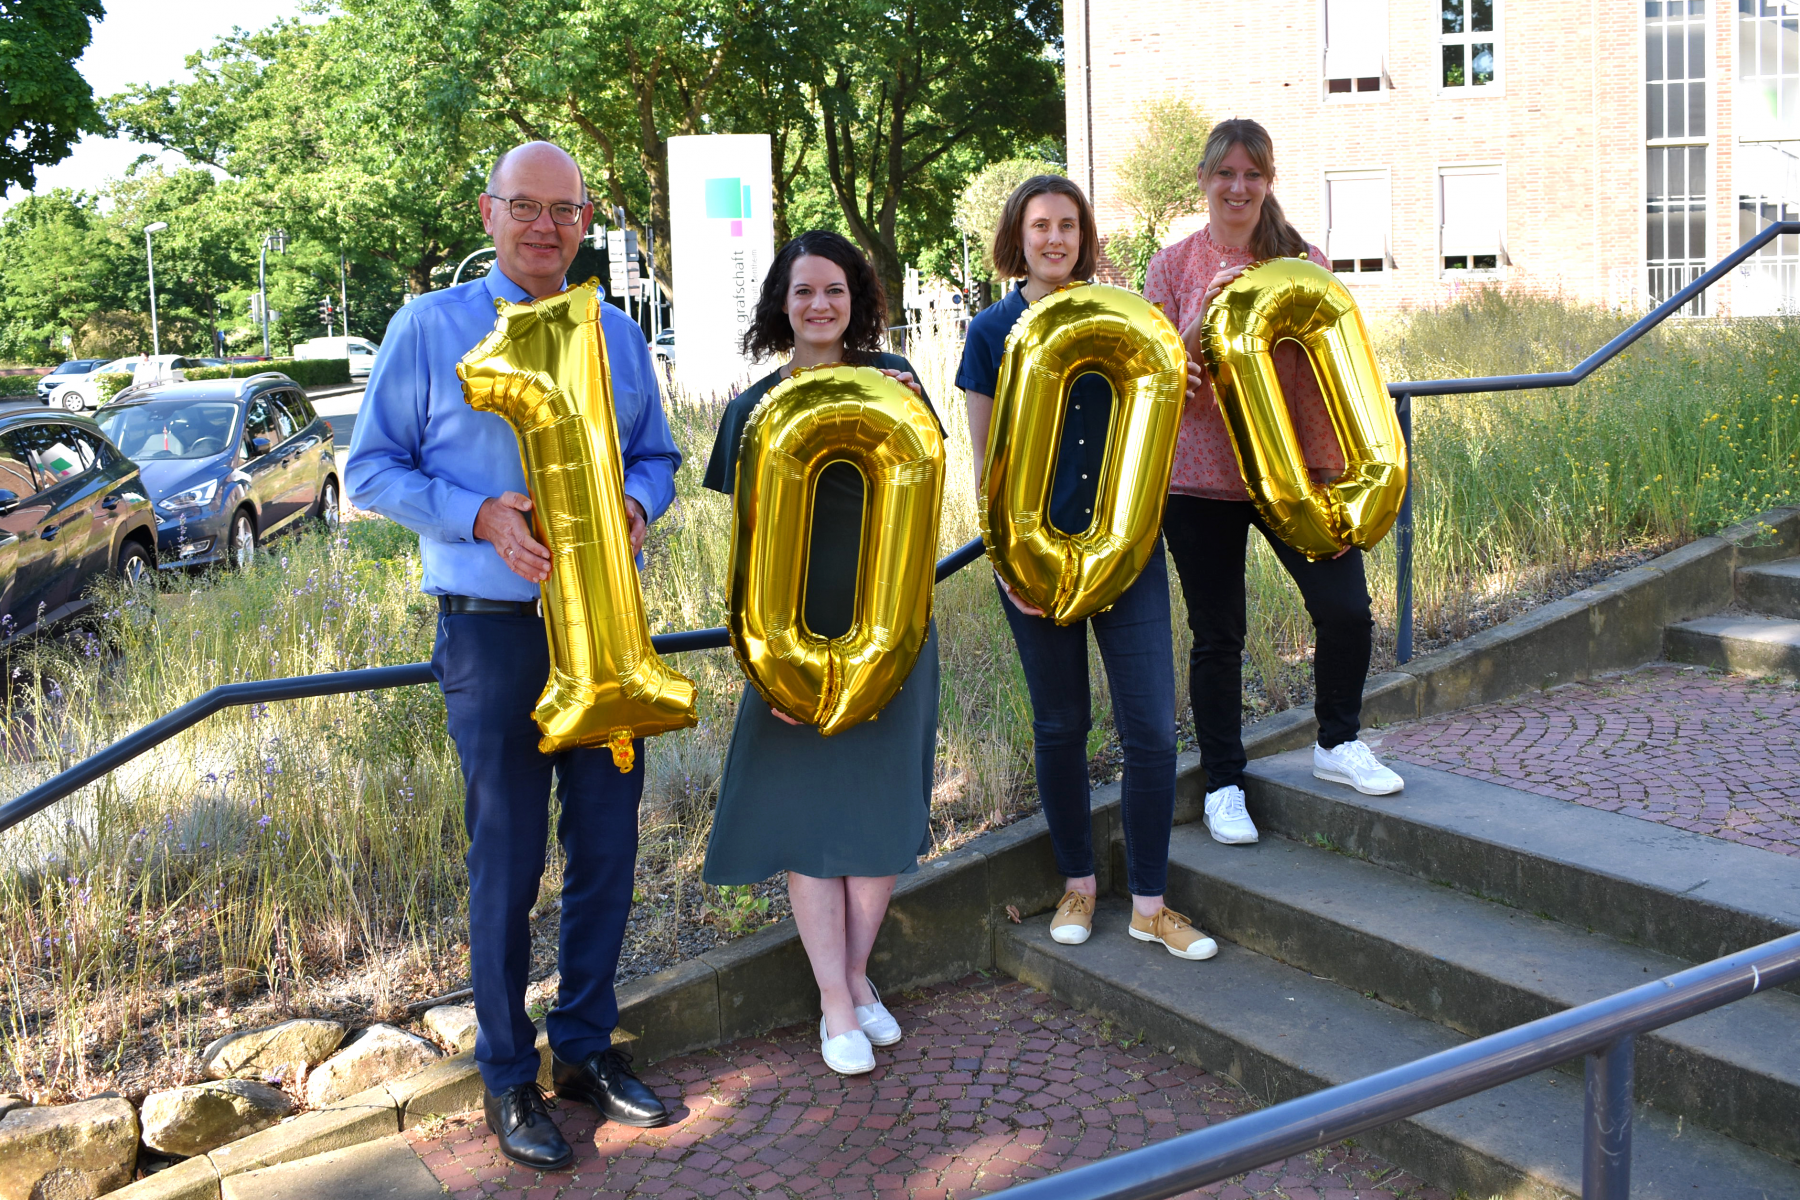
421 456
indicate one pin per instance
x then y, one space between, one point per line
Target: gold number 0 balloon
544 369
1117 334
832 414
1296 298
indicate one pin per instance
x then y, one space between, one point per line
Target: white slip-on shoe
847 1053
878 1024
1355 764
1226 819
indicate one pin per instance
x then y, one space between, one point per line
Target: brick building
1610 150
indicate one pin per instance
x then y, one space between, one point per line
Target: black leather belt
476 606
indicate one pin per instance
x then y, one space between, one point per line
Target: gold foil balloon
1296 298
1108 331
828 414
544 369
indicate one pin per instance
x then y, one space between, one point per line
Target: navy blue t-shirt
1083 448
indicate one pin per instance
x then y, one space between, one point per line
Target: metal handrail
1403 393
299 687
1603 1031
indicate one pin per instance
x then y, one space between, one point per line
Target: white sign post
723 237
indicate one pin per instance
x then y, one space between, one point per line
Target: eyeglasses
528 210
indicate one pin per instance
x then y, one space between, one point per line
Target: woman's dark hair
1273 237
1009 235
770 332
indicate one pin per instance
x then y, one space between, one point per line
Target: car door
268 482
64 459
308 444
24 557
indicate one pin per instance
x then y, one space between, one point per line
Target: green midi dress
856 803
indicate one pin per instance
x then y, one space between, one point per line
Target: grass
305 857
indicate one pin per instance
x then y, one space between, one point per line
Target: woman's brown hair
1273 237
1009 235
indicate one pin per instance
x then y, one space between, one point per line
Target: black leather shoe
520 1118
605 1081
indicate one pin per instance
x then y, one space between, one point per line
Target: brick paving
994 1084
1684 746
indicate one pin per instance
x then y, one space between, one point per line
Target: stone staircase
1761 639
1362 933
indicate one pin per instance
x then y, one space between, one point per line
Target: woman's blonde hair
1273 237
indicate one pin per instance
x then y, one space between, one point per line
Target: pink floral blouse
1205 464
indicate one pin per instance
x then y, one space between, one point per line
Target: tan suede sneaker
1074 919
1174 931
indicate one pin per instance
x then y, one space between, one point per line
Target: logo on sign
728 200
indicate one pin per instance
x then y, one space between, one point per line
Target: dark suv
227 462
71 508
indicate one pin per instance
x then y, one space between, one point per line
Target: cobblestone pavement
994 1084
1685 746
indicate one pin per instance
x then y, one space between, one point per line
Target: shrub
19 385
109 385
307 372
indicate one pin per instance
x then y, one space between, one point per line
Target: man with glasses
423 457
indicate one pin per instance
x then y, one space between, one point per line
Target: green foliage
19 385
1158 181
108 385
45 104
307 372
739 910
58 268
978 208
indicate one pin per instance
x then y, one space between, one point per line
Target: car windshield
76 366
170 428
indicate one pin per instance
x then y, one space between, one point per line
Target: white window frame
1503 259
1440 40
1387 234
1769 283
1702 304
1385 81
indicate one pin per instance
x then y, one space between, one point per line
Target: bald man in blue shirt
423 457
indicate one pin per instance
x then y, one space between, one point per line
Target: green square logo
725 198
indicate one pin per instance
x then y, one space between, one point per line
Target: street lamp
155 336
277 239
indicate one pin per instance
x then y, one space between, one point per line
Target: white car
69 372
144 369
360 351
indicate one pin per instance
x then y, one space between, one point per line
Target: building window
1356 221
1355 46
1767 163
1675 147
1470 44
1472 218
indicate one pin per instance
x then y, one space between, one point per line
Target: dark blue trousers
492 670
1137 649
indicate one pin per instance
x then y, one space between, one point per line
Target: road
341 412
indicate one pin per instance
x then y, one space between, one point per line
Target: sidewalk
1700 750
995 1084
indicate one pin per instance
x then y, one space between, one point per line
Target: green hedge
19 385
109 385
307 372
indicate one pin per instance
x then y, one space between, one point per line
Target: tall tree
45 104
57 270
1159 181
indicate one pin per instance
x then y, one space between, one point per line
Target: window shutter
1357 217
1355 38
1474 202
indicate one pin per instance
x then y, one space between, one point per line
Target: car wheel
241 549
328 510
73 400
135 566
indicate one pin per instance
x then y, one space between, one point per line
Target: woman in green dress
844 815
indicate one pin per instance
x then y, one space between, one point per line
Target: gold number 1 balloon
1296 298
544 369
835 413
1071 574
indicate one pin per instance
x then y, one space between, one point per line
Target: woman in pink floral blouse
1210 514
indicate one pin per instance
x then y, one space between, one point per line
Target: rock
9 1101
67 1151
193 1120
376 1055
453 1025
258 1053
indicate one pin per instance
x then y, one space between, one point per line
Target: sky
146 41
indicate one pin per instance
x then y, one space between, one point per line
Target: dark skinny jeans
1137 649
1208 539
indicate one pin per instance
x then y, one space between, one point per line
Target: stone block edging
944 918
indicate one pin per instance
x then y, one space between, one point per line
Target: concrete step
1684 894
380 1170
1748 645
1480 967
1771 588
1281 1033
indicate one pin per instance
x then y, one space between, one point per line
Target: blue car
227 462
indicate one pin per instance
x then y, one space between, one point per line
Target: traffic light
325 310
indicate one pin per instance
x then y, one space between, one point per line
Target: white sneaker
847 1053
878 1024
1226 819
1354 764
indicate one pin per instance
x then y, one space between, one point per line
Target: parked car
246 358
69 372
227 462
72 508
360 351
664 347
145 370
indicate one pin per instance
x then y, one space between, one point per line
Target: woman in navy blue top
1046 235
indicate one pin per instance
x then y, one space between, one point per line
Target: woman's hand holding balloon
905 377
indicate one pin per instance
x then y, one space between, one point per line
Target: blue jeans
1138 651
492 669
